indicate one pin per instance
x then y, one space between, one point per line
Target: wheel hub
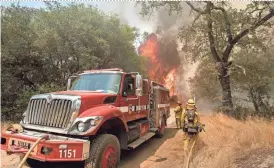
109 158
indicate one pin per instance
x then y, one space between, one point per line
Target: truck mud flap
141 140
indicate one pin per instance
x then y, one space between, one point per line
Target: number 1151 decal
67 153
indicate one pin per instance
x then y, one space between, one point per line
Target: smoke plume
170 61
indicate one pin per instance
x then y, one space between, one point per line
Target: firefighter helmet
191 102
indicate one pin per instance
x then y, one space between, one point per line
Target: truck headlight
82 125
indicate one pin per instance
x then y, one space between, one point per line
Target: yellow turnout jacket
178 111
184 114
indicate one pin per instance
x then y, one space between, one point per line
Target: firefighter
178 114
191 123
188 115
190 119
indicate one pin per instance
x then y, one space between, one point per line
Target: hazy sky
126 10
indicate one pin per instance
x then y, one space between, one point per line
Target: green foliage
41 48
255 77
147 8
218 34
205 82
252 83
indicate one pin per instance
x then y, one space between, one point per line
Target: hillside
226 143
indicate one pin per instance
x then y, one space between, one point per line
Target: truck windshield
101 82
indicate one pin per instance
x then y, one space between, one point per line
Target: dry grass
227 143
227 139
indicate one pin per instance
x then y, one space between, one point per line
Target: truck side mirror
69 83
124 93
139 85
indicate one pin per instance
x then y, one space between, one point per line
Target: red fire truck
101 113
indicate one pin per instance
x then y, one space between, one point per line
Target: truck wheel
26 162
160 133
104 152
32 163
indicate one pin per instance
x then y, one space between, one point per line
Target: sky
126 10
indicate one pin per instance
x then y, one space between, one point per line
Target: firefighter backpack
190 114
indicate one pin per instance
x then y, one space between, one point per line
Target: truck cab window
130 85
100 82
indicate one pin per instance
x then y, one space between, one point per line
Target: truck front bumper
55 149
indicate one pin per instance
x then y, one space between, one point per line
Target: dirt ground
227 143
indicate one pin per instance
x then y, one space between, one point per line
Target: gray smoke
166 27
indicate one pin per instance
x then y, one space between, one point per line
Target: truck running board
141 140
153 129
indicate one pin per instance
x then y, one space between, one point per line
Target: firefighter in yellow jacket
178 114
190 113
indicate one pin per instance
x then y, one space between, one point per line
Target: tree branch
196 18
227 23
207 12
228 32
196 9
253 27
245 32
210 34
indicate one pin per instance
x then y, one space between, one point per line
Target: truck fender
107 112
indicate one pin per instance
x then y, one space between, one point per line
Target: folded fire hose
16 128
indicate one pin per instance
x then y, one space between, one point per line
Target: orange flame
170 80
156 70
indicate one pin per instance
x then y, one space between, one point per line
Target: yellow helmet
191 102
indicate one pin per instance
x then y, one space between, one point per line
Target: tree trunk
253 99
226 90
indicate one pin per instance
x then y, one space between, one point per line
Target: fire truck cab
102 112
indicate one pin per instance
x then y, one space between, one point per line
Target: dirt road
129 159
134 158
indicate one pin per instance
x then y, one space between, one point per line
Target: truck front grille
56 114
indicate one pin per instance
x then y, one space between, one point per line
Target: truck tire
104 152
160 133
31 163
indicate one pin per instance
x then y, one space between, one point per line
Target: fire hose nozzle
45 137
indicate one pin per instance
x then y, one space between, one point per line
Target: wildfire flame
157 70
170 80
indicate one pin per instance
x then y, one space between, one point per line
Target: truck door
129 101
